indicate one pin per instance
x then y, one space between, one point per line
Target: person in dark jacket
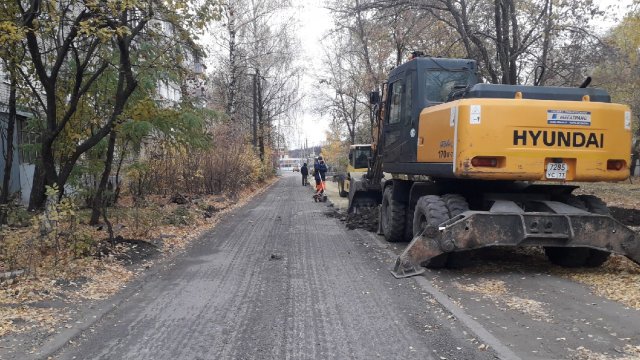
319 173
304 170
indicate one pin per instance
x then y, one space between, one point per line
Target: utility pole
255 110
260 117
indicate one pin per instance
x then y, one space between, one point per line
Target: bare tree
258 75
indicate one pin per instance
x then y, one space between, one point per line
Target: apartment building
24 156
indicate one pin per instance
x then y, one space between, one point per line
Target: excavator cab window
360 157
395 106
440 83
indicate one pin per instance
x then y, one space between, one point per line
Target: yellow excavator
460 165
359 156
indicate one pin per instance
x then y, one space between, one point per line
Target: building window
28 142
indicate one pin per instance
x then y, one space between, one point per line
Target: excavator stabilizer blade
422 247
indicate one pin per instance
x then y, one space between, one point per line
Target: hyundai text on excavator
460 165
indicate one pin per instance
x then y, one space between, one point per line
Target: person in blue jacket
319 174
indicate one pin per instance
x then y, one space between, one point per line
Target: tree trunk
116 194
99 200
38 189
8 164
233 67
373 78
548 10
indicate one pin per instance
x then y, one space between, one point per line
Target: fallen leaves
489 288
24 318
107 278
629 352
618 279
496 290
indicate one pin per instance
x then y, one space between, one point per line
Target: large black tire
575 201
597 206
430 210
567 257
392 215
408 225
578 257
596 258
456 204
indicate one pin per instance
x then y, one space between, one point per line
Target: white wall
26 181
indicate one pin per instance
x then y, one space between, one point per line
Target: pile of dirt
629 217
365 218
130 252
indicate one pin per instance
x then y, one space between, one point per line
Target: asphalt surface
282 278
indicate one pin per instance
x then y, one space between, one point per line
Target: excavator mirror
374 97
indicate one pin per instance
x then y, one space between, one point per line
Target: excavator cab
413 86
359 156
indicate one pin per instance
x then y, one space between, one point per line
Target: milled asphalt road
278 279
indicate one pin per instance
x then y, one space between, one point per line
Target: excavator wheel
579 257
574 201
430 210
567 257
456 204
408 224
392 217
597 206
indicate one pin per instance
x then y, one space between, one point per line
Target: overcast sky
315 21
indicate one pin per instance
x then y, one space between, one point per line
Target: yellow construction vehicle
359 156
460 159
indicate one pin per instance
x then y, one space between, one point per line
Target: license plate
557 170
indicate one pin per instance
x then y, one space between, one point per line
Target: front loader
459 166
